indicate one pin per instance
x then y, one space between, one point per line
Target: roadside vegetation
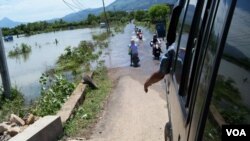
54 92
156 13
87 113
15 104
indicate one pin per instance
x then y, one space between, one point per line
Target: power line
77 4
71 6
77 1
68 5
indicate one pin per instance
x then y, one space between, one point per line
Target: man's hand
146 85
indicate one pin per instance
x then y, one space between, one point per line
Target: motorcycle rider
156 46
133 51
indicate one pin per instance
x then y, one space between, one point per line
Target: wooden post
4 69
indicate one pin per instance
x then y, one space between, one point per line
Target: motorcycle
135 60
140 36
156 50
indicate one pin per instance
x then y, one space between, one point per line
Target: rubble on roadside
15 125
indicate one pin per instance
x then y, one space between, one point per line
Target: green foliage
159 12
101 37
141 15
232 109
76 57
14 105
212 130
87 113
23 49
54 93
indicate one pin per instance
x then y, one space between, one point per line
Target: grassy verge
87 113
13 105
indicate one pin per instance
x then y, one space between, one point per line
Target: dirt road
130 113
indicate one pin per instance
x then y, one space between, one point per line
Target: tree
140 15
158 12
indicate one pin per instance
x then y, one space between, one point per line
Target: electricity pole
107 22
4 69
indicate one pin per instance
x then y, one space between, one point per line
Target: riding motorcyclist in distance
133 50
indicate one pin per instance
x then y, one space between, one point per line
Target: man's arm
155 77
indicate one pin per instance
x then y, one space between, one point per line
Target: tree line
153 14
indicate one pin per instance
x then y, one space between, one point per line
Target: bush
14 105
54 93
23 49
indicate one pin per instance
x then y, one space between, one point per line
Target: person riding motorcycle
156 47
133 51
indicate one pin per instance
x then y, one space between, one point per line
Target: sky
38 10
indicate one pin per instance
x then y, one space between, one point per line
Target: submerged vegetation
76 57
23 49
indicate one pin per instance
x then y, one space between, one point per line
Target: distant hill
6 22
125 5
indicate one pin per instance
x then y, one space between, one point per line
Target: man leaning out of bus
165 67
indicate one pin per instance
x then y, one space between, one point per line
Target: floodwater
117 53
25 71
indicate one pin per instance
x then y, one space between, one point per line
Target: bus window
230 100
186 17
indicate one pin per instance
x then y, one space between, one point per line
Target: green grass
87 113
14 105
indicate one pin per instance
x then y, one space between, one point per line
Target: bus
209 83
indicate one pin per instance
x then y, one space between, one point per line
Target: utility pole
107 22
4 69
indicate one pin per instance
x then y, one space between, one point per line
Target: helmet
154 36
132 40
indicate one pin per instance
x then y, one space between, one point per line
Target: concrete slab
75 99
48 128
68 107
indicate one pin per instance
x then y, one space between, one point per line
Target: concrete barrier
75 99
48 128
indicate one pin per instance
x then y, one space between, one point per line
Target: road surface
131 114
